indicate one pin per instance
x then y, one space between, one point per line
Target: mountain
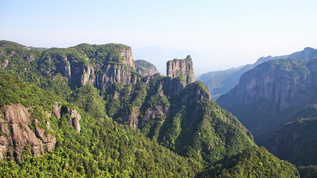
145 68
296 140
99 148
182 125
269 93
221 82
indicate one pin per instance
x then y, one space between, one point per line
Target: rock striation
16 133
268 93
182 68
115 64
20 131
221 82
73 118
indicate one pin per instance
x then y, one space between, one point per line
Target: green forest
151 126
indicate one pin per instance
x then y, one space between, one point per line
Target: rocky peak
182 68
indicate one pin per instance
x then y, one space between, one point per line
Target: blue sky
218 34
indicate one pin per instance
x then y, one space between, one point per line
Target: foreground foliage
102 148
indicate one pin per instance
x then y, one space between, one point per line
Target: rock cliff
182 68
269 90
17 133
99 65
221 82
20 130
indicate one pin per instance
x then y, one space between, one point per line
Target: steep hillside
174 112
99 148
168 110
252 162
296 140
179 116
268 94
145 68
221 82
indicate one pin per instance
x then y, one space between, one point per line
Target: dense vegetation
102 148
250 162
296 141
185 121
308 171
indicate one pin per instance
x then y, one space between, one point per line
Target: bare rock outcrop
73 119
126 53
5 64
182 68
73 116
115 73
100 74
16 133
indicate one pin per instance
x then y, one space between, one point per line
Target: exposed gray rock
5 64
127 56
73 119
182 68
29 58
270 92
14 124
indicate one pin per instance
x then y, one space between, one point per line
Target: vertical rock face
127 56
173 86
73 119
267 94
182 68
103 73
280 82
16 133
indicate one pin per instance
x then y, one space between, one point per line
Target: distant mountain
221 82
145 68
269 93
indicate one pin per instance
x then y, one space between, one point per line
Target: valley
102 117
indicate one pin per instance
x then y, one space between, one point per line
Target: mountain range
86 111
221 82
276 102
